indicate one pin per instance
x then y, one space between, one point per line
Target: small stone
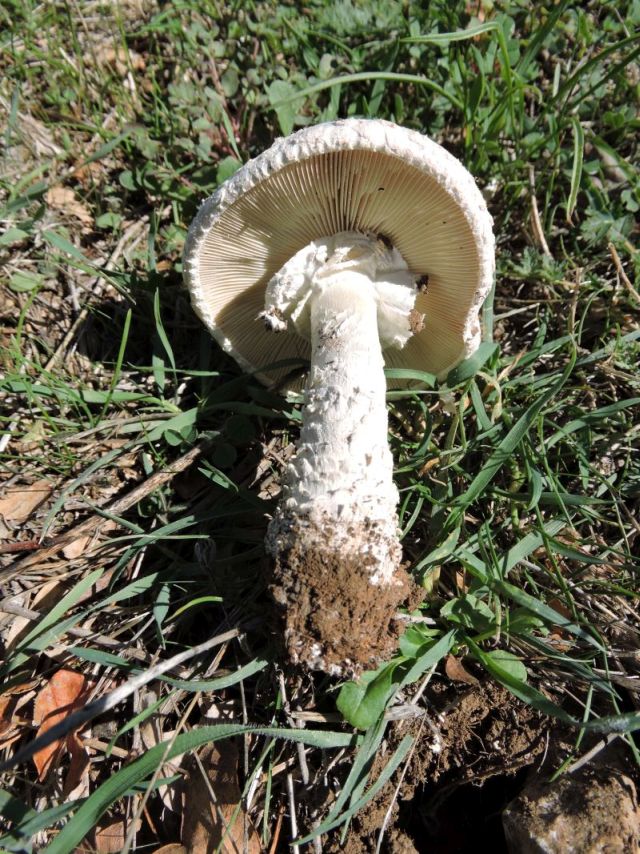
586 813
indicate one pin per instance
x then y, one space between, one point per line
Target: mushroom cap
364 175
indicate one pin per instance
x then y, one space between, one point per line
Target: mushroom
357 243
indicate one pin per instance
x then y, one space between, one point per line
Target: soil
334 618
471 758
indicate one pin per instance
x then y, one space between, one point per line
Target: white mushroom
348 239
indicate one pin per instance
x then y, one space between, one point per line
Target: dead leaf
430 464
34 436
455 670
152 733
120 58
76 548
561 639
12 726
64 200
64 693
106 840
76 783
461 583
110 839
19 502
88 174
209 826
44 599
171 848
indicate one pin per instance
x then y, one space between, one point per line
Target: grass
519 477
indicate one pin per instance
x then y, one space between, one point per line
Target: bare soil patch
470 759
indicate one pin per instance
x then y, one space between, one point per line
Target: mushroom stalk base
335 535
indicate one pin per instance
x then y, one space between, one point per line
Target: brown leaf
88 174
110 839
461 583
20 688
64 199
76 783
456 672
430 464
151 734
41 599
206 824
64 693
120 58
561 639
172 848
12 725
19 502
76 548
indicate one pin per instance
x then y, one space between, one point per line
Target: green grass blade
115 787
509 444
576 168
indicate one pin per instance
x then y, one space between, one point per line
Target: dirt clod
335 618
596 810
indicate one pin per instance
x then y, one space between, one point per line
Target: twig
108 701
588 756
298 724
621 272
133 829
74 631
292 813
14 548
535 216
276 833
115 509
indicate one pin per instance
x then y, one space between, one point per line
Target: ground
140 465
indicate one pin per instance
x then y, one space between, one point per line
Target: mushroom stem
342 473
334 535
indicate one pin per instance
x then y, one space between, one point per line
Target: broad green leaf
430 380
23 281
527 693
363 702
413 641
227 167
470 612
12 235
440 553
284 100
509 663
433 653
